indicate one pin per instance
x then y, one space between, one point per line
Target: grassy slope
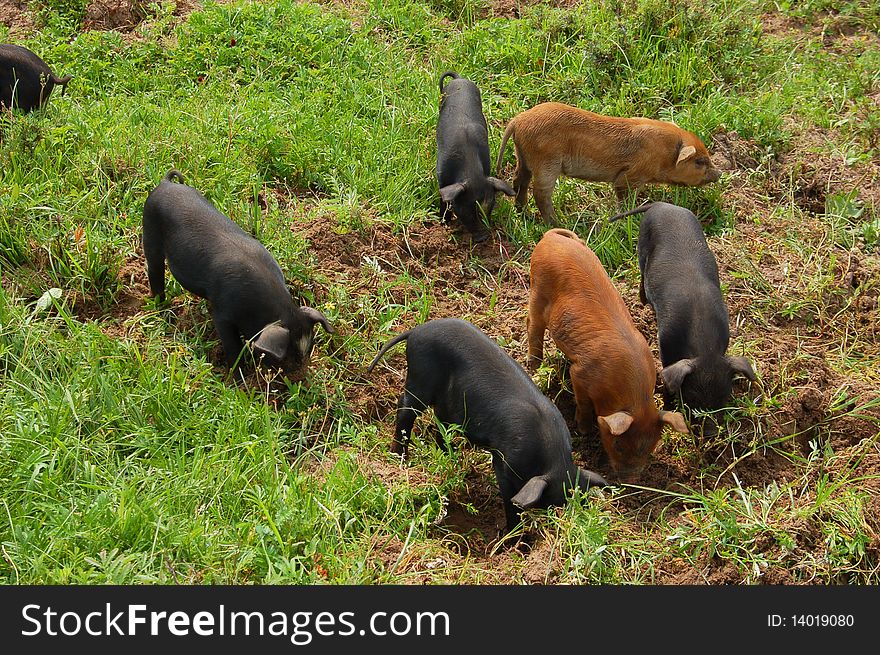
126 457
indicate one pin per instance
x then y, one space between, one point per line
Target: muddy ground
122 16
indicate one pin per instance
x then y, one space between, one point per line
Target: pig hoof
526 543
596 492
479 237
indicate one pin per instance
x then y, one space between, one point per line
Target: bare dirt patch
125 16
463 281
119 15
811 172
818 168
733 152
839 33
115 320
17 16
513 8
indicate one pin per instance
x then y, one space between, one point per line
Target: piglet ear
502 186
742 365
675 421
449 192
617 423
674 374
587 479
273 340
317 317
530 494
685 153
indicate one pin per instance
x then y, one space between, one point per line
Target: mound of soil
16 15
732 152
119 15
125 15
513 8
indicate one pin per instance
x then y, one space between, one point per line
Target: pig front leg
621 186
231 340
668 399
583 415
508 490
621 192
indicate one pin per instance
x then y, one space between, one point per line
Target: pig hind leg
535 326
521 179
154 253
408 408
542 187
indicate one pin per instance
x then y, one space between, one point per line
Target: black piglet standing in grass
679 279
467 190
211 256
470 381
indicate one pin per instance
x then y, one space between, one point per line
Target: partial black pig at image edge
26 81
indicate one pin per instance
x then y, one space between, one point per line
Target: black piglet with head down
679 279
470 381
211 256
467 190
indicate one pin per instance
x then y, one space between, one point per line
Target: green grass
125 457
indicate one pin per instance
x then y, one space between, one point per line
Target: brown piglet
553 139
612 369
